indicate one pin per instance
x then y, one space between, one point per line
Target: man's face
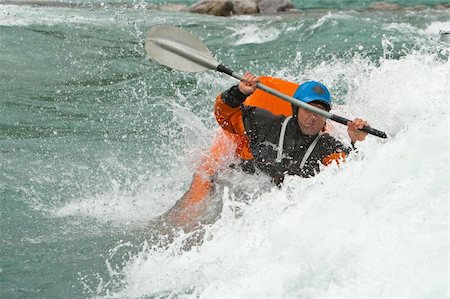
311 123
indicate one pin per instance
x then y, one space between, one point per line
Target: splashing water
97 141
353 231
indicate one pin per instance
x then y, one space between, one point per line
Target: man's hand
248 85
353 130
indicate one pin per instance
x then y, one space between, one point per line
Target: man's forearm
233 97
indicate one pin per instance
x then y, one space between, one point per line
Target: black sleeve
333 145
233 97
258 123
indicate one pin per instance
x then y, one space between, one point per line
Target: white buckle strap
309 151
281 139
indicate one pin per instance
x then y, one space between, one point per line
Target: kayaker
272 144
278 145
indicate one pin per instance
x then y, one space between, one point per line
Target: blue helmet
311 91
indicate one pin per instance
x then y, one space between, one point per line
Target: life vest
270 102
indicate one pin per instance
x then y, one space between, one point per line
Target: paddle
182 51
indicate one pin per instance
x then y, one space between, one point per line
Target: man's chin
311 131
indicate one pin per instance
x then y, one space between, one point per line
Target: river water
97 140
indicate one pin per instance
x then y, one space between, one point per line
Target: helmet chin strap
294 110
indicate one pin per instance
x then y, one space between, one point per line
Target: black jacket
263 130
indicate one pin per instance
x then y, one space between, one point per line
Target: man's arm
354 132
227 108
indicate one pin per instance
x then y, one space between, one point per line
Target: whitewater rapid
98 141
374 227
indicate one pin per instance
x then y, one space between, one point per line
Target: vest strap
281 139
309 151
281 143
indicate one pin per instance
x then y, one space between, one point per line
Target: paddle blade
178 49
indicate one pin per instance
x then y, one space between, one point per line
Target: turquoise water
97 140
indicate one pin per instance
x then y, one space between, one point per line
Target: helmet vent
318 89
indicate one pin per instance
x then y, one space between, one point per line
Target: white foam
119 207
375 227
435 27
320 21
401 27
254 34
12 15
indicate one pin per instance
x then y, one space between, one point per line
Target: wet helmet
312 91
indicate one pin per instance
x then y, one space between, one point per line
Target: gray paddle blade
178 49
